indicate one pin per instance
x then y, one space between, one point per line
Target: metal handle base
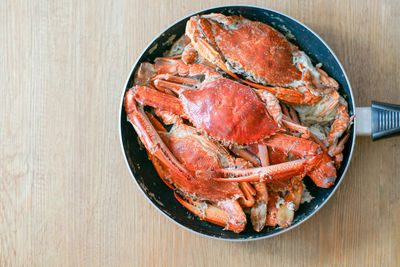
385 120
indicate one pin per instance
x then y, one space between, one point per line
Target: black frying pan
385 120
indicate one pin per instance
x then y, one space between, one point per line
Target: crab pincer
217 215
150 138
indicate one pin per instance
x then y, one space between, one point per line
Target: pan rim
239 239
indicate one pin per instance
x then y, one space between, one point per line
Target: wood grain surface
66 196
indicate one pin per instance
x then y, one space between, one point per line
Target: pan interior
142 169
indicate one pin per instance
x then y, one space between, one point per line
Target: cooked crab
274 148
267 60
260 54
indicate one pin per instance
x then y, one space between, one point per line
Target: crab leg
259 205
305 132
163 89
172 66
258 212
289 144
161 171
218 215
245 155
290 96
158 100
168 117
169 68
337 147
155 122
272 104
248 192
285 110
325 175
331 101
340 125
172 78
270 173
281 114
293 115
166 65
319 142
275 110
174 87
208 52
335 150
263 155
326 80
150 138
157 164
292 144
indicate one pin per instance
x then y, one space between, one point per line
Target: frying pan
380 120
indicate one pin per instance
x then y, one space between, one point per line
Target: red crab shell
200 158
228 111
253 48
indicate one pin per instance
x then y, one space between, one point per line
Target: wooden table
66 196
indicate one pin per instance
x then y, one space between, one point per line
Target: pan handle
381 120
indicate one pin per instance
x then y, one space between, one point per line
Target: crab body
245 116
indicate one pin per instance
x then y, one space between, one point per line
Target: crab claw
150 138
271 173
218 215
325 175
285 213
258 212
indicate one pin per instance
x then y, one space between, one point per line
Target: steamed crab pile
249 116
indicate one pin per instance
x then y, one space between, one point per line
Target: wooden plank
66 196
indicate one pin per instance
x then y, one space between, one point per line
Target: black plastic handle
385 120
